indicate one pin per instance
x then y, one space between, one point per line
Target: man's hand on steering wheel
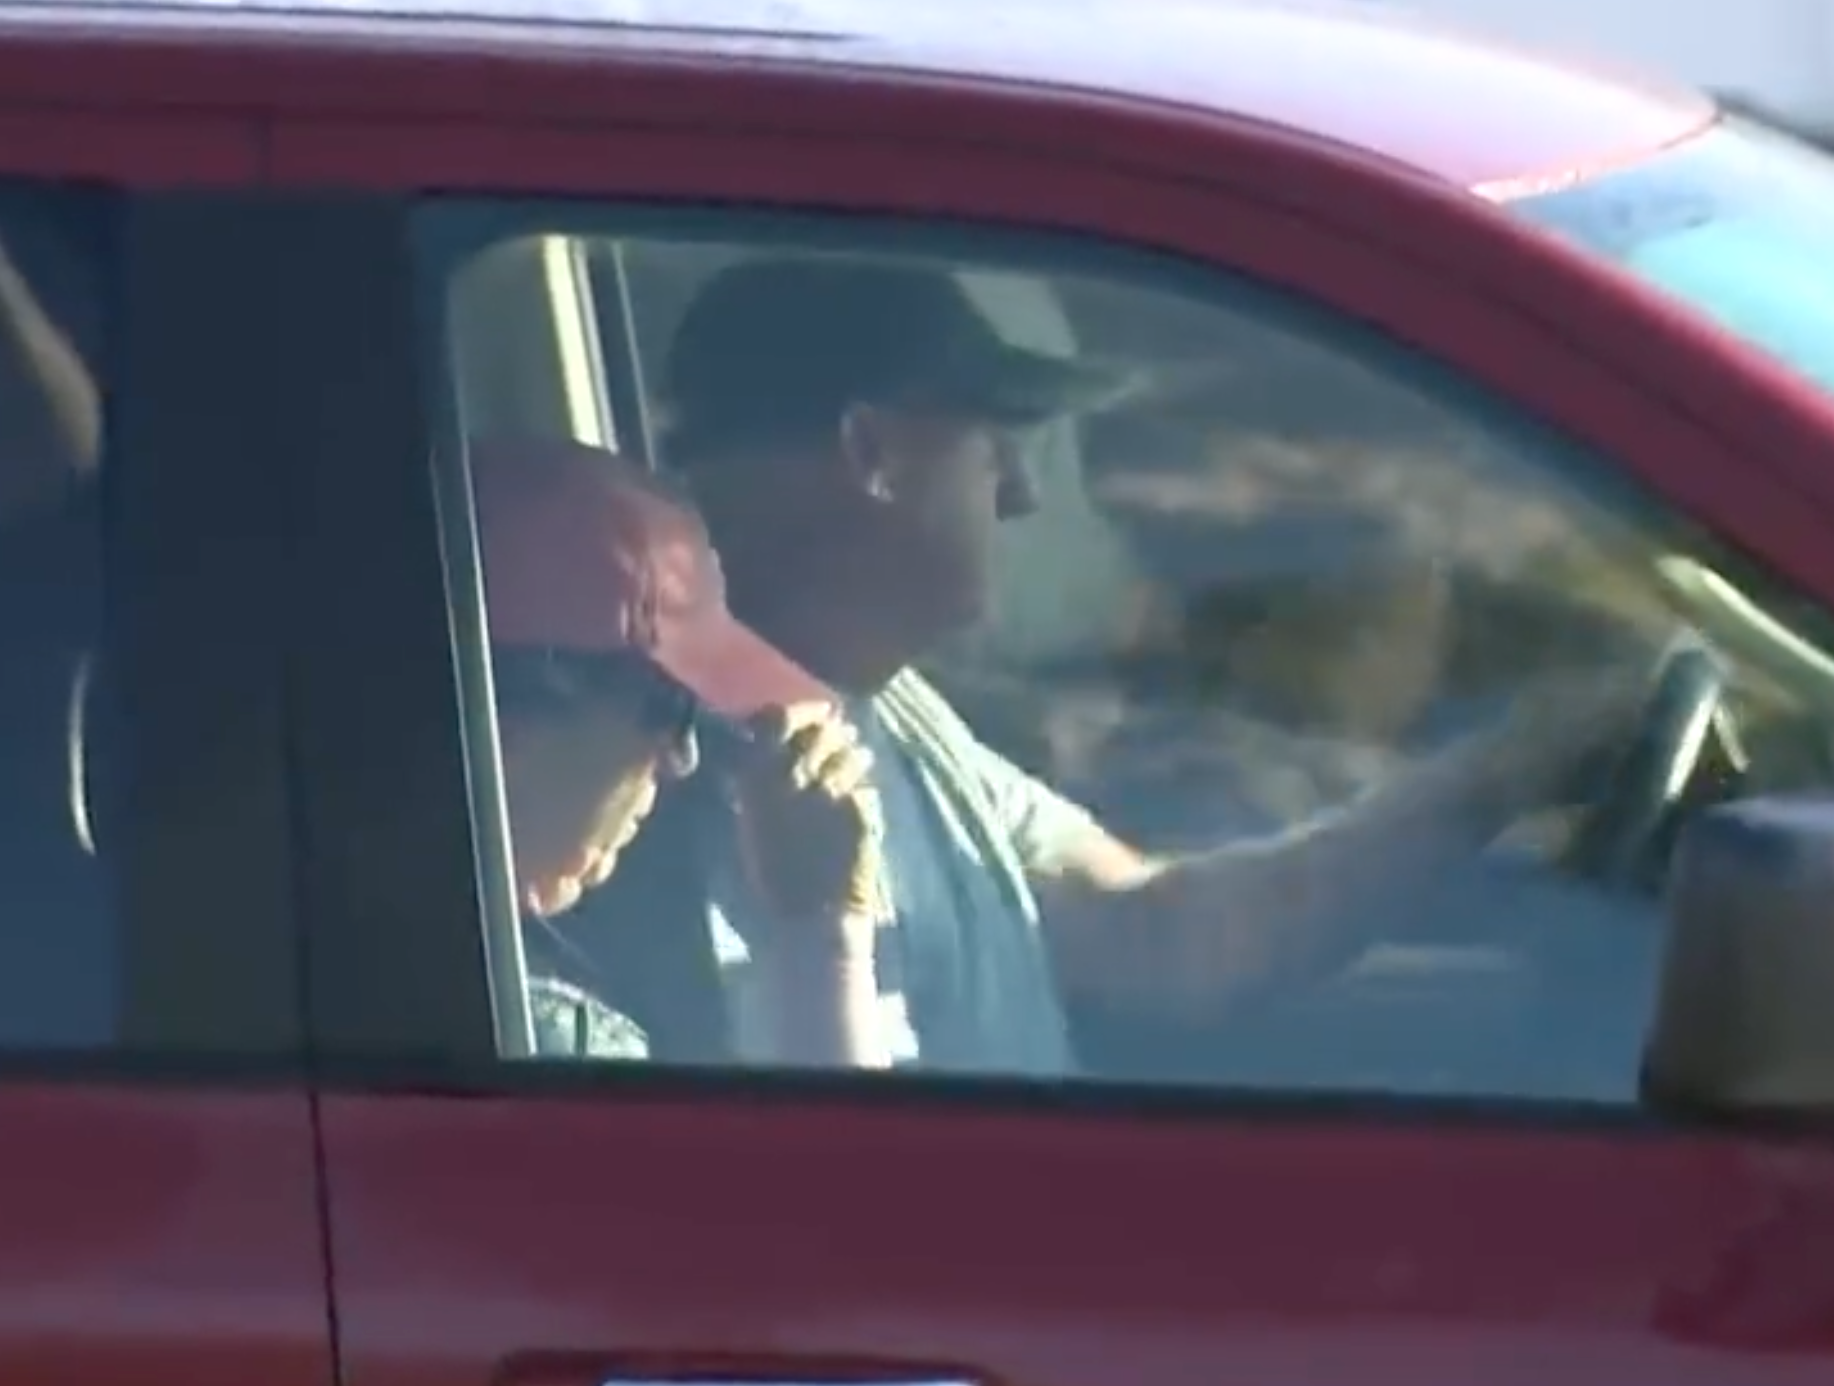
1537 755
1626 743
1665 764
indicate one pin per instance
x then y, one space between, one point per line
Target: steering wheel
1650 774
1501 996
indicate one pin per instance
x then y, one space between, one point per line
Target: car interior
1208 647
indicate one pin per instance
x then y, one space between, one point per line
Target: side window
1108 671
60 986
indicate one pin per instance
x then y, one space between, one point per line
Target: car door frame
164 1188
1298 213
993 1272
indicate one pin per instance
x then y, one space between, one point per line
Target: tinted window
60 975
1248 702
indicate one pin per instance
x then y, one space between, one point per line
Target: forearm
1306 884
1252 914
820 1000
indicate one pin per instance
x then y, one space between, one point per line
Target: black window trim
198 857
388 877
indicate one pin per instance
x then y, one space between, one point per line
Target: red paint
565 1239
1074 1251
773 1238
151 1237
1412 92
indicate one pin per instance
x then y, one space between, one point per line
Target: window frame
451 1047
390 902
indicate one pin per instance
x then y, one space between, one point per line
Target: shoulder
1039 823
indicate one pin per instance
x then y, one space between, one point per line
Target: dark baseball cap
586 553
789 343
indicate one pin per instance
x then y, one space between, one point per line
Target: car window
59 982
1219 694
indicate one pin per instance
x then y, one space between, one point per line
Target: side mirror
1744 1019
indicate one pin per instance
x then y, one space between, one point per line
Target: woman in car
613 653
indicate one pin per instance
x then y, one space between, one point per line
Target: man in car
612 652
851 432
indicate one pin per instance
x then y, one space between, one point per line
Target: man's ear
866 452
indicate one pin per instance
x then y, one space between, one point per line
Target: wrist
832 939
821 995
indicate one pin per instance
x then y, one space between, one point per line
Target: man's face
581 779
946 482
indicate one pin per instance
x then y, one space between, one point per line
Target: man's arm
1202 928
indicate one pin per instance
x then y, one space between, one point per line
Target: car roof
1362 74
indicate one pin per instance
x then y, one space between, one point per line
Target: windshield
1738 222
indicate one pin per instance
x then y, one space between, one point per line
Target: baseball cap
786 343
587 553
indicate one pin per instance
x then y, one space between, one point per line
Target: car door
1456 1183
160 1187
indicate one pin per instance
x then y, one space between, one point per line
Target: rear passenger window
969 655
59 951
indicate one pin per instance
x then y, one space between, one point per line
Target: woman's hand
811 831
811 839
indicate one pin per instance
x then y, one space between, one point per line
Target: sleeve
1043 826
571 1023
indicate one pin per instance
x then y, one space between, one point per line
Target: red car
1482 368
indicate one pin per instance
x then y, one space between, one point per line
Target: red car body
332 1223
